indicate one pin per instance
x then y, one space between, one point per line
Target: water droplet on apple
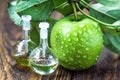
75 34
63 54
82 39
84 56
66 46
79 61
66 60
69 40
86 49
59 32
81 25
62 43
76 39
73 48
62 47
78 56
78 51
71 59
89 58
67 35
80 32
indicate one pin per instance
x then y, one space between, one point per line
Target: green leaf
108 11
88 1
34 34
63 7
31 46
112 42
51 22
100 12
112 39
39 12
111 30
23 5
109 2
106 14
115 13
13 14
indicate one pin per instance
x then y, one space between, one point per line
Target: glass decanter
41 59
22 48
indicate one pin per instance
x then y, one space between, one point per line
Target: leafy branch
113 26
40 10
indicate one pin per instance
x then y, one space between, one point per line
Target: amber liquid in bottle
21 50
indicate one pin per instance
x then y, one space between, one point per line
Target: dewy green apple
77 44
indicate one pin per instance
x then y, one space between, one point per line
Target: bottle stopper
26 22
43 29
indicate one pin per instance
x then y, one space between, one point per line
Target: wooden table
107 68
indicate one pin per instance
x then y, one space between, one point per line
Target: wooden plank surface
107 68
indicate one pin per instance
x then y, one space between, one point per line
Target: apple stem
75 11
103 23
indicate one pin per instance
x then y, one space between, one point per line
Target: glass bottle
41 59
23 48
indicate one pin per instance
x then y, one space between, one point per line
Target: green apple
77 44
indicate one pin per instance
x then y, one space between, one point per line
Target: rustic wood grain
107 68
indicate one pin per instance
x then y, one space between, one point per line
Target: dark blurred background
8 29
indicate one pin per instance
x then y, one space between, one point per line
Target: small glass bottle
41 59
21 50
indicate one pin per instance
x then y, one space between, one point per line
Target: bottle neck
43 44
44 47
25 39
26 35
43 37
